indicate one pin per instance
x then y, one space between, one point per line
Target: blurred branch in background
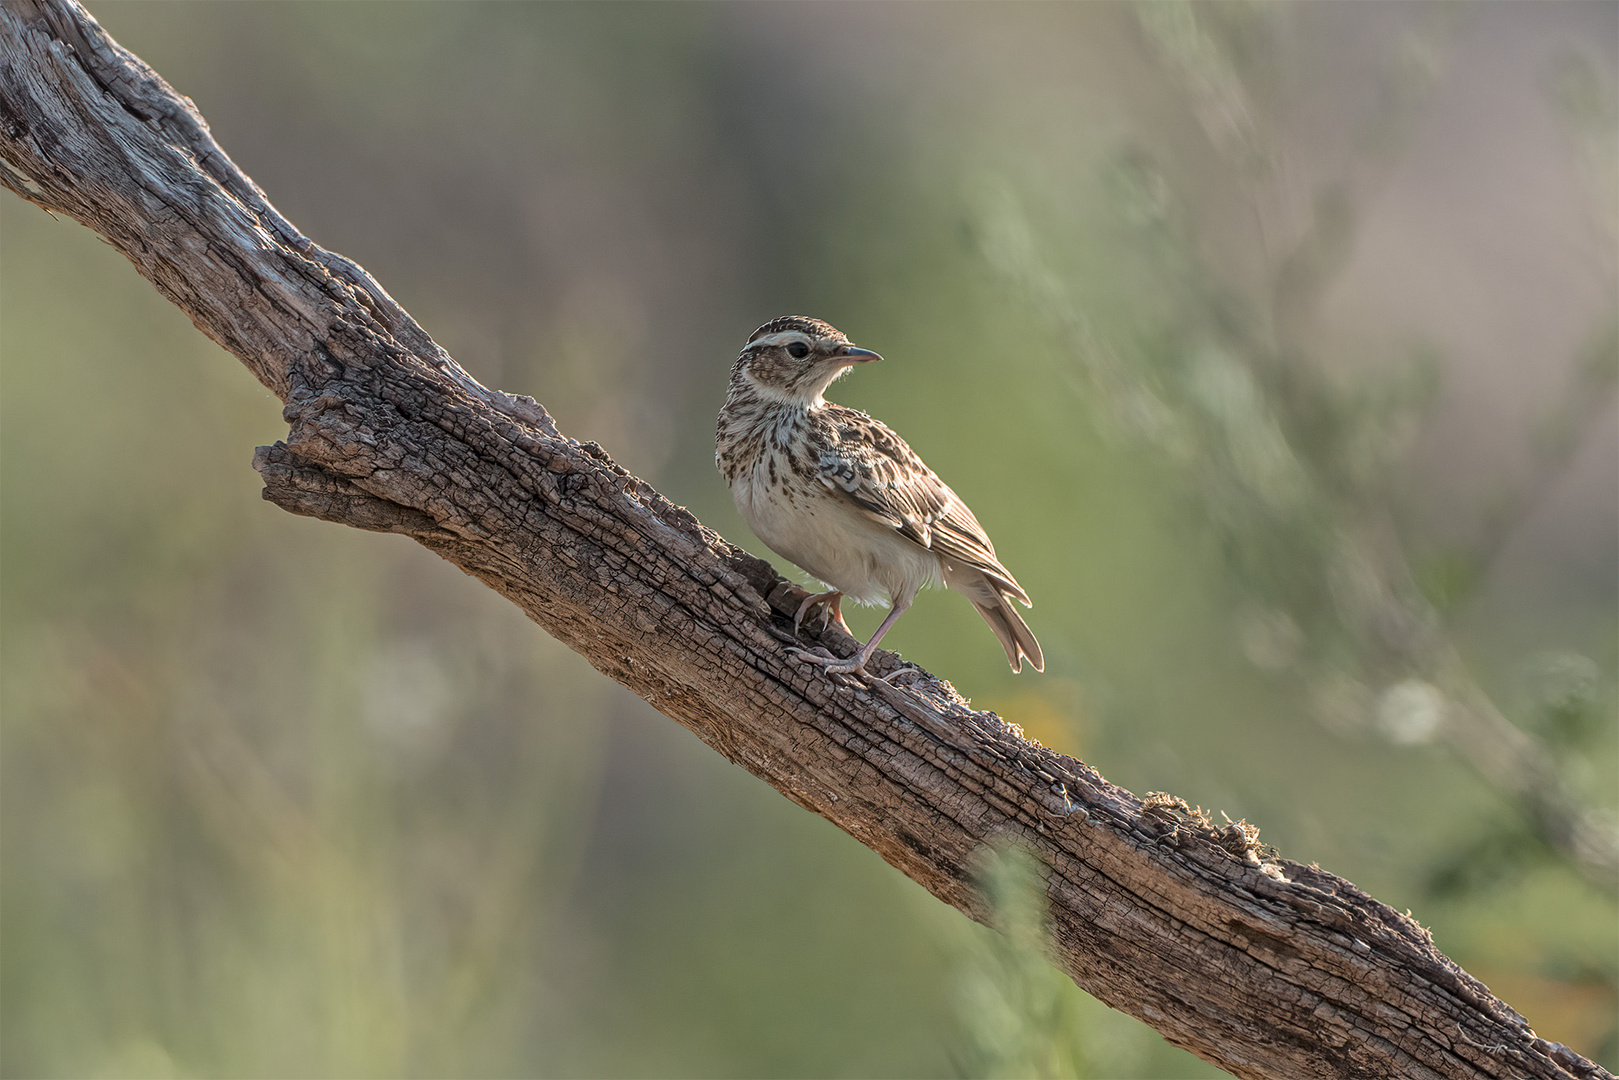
1295 469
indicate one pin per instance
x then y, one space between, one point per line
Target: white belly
828 536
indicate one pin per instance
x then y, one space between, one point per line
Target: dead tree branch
1265 967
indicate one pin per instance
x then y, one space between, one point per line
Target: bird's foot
832 664
832 601
892 678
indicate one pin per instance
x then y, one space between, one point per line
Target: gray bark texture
1265 967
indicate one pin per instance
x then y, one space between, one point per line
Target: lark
844 497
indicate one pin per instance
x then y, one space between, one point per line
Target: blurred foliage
1274 344
1020 1016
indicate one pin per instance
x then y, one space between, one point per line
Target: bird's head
795 358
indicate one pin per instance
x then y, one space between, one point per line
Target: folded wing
871 466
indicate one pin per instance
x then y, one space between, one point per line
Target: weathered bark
1263 966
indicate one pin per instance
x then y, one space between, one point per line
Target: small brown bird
845 498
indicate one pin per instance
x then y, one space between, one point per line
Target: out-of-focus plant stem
1250 416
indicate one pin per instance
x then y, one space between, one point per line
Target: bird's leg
833 600
858 661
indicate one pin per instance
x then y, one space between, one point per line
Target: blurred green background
1274 344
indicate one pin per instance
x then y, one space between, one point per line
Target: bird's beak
852 355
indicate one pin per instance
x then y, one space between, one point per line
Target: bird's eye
798 350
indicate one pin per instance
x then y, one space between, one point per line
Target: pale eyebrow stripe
781 337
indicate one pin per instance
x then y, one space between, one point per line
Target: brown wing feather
865 461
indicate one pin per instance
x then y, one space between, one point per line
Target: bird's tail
1016 638
996 608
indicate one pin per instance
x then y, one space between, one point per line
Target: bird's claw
829 602
831 664
816 655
